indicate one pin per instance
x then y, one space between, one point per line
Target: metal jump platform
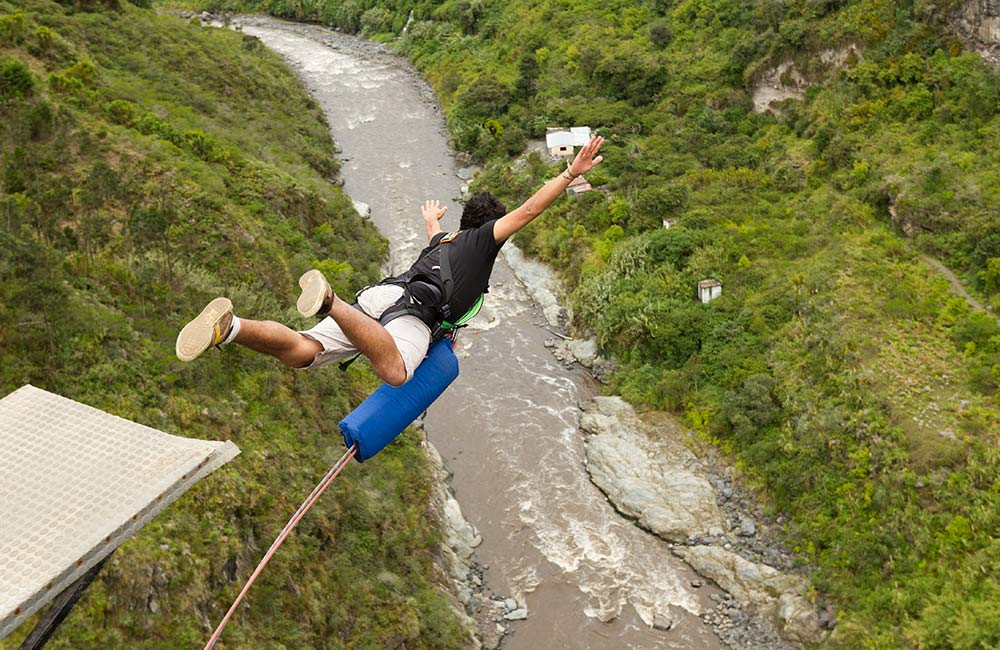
76 482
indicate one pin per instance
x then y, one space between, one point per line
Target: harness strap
345 364
449 284
421 297
467 316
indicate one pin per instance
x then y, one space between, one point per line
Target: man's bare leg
365 333
373 340
294 349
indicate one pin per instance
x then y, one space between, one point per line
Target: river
507 429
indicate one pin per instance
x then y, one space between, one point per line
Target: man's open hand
587 159
432 211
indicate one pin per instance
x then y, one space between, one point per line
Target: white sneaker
317 296
210 327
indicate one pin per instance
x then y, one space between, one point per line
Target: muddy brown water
508 427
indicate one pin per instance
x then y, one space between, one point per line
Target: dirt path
956 284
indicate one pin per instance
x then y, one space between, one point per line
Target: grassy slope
147 166
837 368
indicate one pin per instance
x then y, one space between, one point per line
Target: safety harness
427 290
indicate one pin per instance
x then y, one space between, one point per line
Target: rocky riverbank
653 478
486 616
694 502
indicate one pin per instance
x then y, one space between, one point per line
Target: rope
317 491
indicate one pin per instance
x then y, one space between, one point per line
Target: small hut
709 290
560 141
578 186
669 222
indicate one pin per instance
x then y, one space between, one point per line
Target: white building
560 142
709 290
669 222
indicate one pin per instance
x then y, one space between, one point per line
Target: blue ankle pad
383 416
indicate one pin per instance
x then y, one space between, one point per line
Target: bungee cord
313 496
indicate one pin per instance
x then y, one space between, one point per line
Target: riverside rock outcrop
650 482
539 281
660 483
479 614
781 597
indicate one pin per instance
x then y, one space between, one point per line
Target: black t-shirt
471 255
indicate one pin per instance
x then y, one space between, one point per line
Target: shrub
13 29
484 98
60 83
671 246
121 112
661 34
40 120
977 328
661 201
16 80
204 146
376 20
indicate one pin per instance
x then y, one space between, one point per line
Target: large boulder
650 481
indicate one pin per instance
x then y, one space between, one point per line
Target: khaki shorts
411 335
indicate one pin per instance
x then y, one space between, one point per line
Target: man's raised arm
432 212
511 222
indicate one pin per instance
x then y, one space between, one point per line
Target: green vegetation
837 368
146 166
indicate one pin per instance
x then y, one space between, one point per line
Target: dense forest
839 369
147 165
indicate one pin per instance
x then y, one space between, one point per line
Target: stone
827 618
492 641
510 604
466 173
787 81
363 209
517 615
584 351
979 21
747 527
569 351
798 618
662 623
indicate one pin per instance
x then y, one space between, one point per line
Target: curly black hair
481 208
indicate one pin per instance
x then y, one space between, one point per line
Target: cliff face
979 22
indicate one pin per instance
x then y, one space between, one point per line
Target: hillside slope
837 368
146 166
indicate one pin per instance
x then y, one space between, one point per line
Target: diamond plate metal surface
76 482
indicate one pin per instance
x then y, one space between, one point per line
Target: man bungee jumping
392 322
